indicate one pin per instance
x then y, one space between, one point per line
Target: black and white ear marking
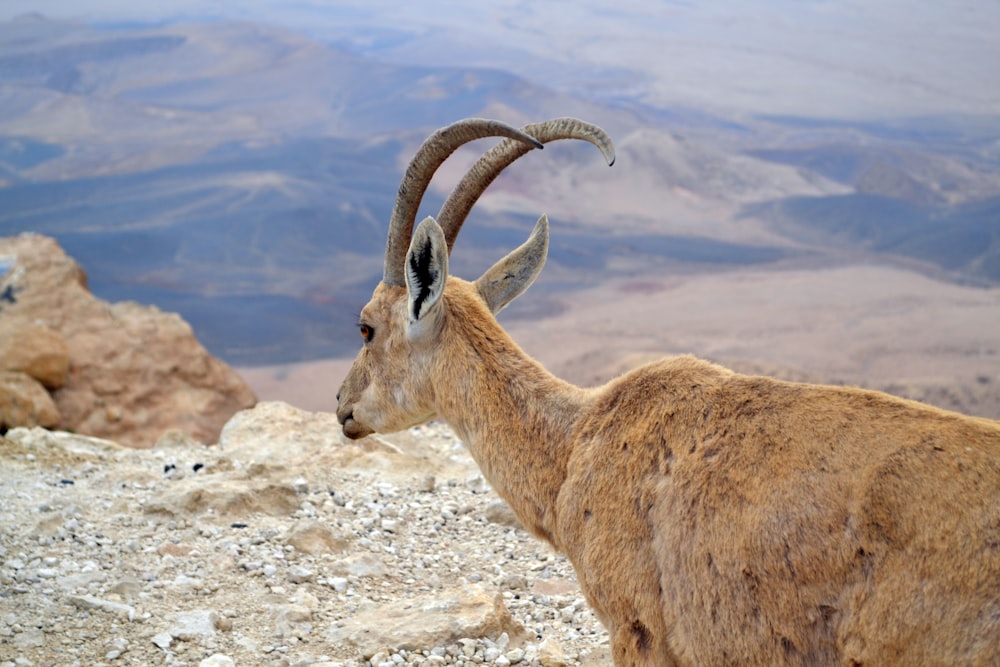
426 268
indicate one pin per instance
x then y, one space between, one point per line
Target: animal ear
509 277
426 269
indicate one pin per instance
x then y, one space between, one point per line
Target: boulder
134 372
24 402
35 350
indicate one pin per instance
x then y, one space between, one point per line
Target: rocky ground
282 545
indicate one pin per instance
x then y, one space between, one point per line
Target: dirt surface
281 546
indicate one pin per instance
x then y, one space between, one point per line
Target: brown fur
716 518
712 518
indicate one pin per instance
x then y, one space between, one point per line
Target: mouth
354 430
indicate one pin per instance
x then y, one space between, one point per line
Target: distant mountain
243 176
962 240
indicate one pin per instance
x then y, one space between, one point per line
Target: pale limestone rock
226 494
551 653
314 537
278 433
438 619
91 602
360 565
58 445
291 620
275 427
192 625
29 638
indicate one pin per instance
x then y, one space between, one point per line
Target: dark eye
366 332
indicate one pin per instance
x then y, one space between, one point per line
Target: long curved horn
434 151
461 200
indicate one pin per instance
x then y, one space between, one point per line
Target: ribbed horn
461 200
431 154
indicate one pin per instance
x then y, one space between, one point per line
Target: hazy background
810 189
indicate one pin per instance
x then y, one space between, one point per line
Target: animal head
405 326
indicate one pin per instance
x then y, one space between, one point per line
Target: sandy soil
875 326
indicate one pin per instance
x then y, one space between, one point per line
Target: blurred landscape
805 189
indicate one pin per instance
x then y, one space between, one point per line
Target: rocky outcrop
120 371
33 359
35 350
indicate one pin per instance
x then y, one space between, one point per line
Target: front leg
635 645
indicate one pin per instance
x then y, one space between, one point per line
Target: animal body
712 518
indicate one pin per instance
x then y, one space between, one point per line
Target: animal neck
514 416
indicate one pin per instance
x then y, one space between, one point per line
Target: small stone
300 575
313 537
514 582
175 550
500 513
551 654
515 656
427 484
91 602
192 625
468 647
162 639
217 660
127 587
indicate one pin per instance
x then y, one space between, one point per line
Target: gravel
149 557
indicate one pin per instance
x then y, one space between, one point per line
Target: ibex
712 518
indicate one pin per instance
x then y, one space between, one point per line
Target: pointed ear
509 277
426 269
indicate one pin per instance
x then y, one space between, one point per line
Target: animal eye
366 332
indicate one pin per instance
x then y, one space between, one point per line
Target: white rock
192 625
300 575
91 602
217 660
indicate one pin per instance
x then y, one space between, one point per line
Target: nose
344 412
